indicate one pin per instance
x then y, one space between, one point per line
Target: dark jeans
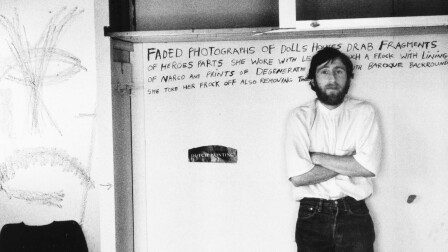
334 225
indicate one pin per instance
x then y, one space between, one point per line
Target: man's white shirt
350 129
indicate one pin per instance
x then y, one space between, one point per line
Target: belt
343 203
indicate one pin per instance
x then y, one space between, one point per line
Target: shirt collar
335 111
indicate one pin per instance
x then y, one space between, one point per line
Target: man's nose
331 78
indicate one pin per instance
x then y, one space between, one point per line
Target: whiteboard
238 94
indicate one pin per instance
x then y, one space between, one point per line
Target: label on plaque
213 154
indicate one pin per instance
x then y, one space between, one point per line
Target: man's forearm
345 165
314 176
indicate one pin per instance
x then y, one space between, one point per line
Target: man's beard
332 99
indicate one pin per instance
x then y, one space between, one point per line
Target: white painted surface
247 206
370 23
139 152
75 107
123 156
287 13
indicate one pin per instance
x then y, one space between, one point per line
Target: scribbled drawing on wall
42 156
40 64
88 168
6 122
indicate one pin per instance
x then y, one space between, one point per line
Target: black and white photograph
223 126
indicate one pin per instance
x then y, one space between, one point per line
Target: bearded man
333 150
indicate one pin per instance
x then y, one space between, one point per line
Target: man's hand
314 176
345 165
315 157
328 166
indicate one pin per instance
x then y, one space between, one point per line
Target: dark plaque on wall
213 154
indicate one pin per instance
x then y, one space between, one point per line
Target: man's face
331 82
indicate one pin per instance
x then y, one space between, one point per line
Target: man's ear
313 85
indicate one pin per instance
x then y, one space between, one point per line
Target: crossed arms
327 166
305 167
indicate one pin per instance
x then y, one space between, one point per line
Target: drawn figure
42 156
30 64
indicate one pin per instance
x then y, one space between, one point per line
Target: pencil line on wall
30 65
87 171
40 157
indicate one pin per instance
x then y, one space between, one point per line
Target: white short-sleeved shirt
350 129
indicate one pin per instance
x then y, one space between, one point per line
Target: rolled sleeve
297 145
369 144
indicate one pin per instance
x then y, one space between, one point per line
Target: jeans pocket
359 209
307 210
